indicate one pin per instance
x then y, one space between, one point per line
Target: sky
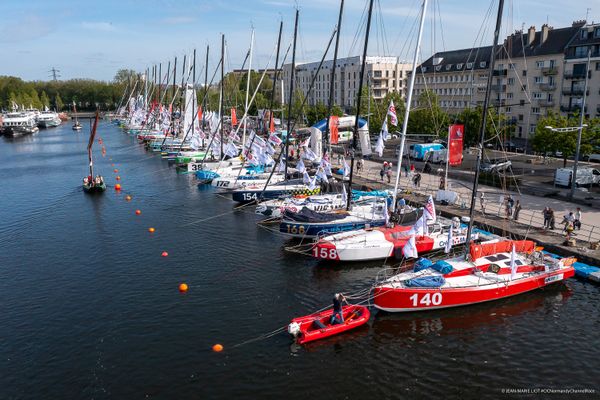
94 39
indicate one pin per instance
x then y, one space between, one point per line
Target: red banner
200 113
455 144
334 121
272 124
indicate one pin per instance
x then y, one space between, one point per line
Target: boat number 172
427 299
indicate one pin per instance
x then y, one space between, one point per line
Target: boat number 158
427 299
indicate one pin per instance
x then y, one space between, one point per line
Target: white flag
231 150
392 113
429 209
448 246
384 131
379 146
309 154
281 167
513 265
300 166
410 248
344 194
322 175
346 168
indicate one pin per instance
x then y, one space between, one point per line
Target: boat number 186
427 299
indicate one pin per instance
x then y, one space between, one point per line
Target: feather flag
448 246
429 209
410 248
380 146
513 264
234 120
392 113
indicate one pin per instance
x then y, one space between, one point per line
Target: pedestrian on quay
442 183
405 167
546 214
417 180
568 220
577 222
388 173
382 172
509 206
552 220
517 210
482 202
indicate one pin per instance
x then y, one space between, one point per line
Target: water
89 308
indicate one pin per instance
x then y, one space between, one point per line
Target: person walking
577 222
388 173
442 183
509 206
552 220
417 180
382 173
517 210
546 214
482 202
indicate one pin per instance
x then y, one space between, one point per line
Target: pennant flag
513 265
234 120
380 146
346 168
300 166
429 209
410 248
273 138
448 246
392 113
310 182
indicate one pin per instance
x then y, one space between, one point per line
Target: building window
524 88
532 128
539 64
597 32
510 81
537 95
583 33
470 65
448 67
459 66
520 117
524 72
581 51
598 66
535 110
424 69
522 103
482 64
438 68
508 109
539 79
509 95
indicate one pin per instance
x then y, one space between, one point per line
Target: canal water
90 310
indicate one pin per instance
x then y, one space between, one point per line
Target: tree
58 103
45 100
379 112
428 118
548 141
124 76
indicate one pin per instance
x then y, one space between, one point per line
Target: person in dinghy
338 315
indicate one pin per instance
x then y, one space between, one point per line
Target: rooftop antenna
55 73
587 13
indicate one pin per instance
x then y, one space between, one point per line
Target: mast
173 100
90 143
483 123
360 83
271 117
158 90
222 91
205 92
182 104
292 77
248 86
327 147
408 103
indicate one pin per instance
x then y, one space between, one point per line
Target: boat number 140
427 299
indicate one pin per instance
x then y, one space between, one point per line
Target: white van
585 176
593 158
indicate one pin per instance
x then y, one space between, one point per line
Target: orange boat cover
481 250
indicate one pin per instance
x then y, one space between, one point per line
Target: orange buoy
116 170
118 178
112 165
183 287
128 198
164 254
217 348
137 212
151 230
117 186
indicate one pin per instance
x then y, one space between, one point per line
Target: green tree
428 117
58 103
546 140
44 99
124 76
379 112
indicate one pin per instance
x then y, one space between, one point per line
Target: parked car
511 146
585 176
495 165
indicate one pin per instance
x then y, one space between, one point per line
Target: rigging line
404 24
358 32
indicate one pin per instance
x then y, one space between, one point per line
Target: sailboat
76 125
486 272
91 183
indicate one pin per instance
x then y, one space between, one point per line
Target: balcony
583 55
499 88
567 91
546 103
499 102
577 75
571 108
513 121
546 71
547 87
500 72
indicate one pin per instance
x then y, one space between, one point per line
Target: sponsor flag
334 134
273 138
231 150
309 154
448 246
429 209
410 248
455 144
392 113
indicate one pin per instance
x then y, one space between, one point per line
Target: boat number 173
426 299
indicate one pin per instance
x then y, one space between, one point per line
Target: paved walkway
532 206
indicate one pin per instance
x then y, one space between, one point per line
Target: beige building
383 74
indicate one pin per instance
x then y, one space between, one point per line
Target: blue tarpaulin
421 264
442 267
425 281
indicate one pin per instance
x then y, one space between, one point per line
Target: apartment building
575 68
382 74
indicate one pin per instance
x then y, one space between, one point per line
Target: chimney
545 30
530 35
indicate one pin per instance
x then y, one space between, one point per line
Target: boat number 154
427 299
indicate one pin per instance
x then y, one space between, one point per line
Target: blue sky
93 39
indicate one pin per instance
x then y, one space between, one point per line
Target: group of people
572 221
512 208
386 171
97 181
